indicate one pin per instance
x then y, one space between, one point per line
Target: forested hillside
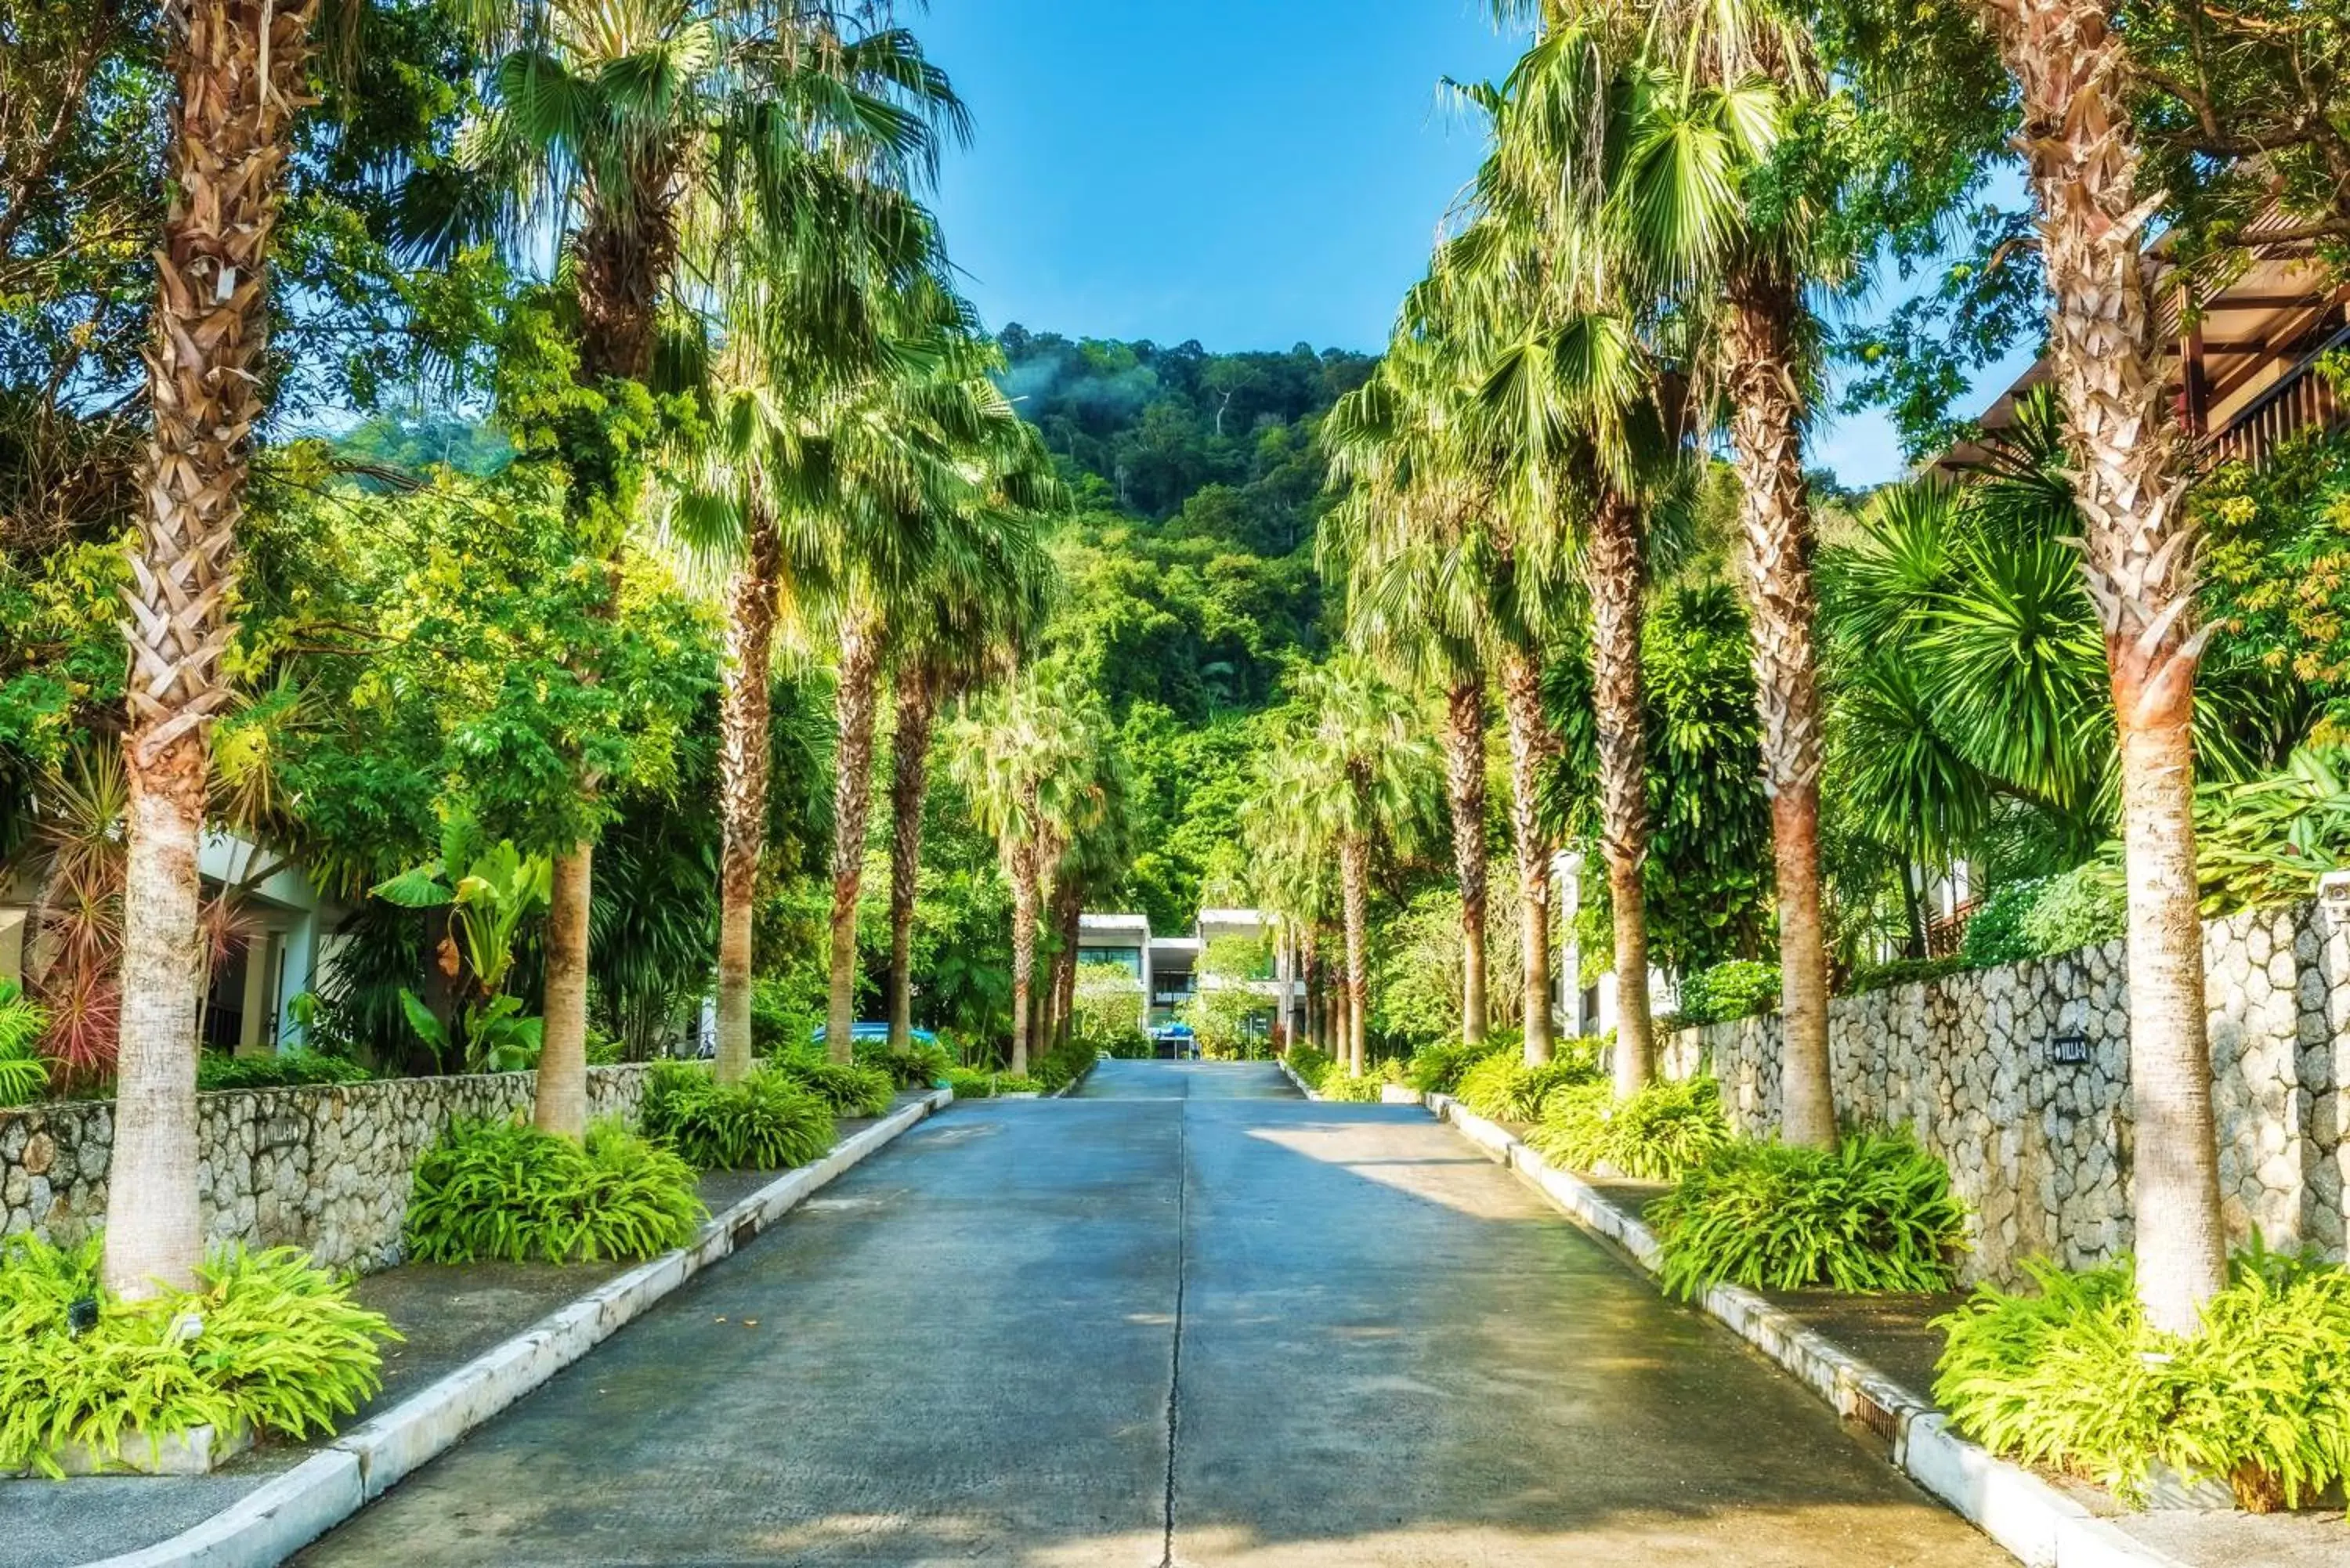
1188 573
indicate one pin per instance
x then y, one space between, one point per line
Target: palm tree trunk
560 1104
1354 873
1532 746
1310 974
1618 577
743 762
2073 72
242 68
1464 780
1759 326
1068 907
1024 948
918 704
852 804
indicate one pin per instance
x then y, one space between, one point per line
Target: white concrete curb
2035 1521
271 1523
1291 1073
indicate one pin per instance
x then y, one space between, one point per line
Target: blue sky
1253 173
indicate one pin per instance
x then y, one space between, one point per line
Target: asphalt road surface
1185 1317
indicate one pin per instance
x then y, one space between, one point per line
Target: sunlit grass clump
268 1341
503 1190
1658 1135
2070 1375
1874 1214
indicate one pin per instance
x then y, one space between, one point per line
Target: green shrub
1902 972
2047 915
770 1121
1019 1084
1658 1135
24 1075
1437 1069
970 1084
282 1348
1502 1088
2073 1378
1063 1065
854 1090
505 1190
1337 1086
1124 1045
783 1017
2085 906
1310 1064
919 1067
279 1070
1874 1213
1739 989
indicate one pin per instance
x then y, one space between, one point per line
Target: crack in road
1175 1356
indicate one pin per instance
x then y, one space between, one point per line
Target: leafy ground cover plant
1502 1088
1875 1214
2070 1375
1658 1135
24 1073
1063 1065
918 1067
493 1189
1739 989
279 1070
857 1089
1437 1069
1902 972
1312 1066
281 1348
772 1120
1346 1090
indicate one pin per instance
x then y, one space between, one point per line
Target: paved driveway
1184 1318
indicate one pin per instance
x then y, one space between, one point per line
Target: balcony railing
2302 400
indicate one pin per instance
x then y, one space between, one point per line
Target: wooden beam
2195 404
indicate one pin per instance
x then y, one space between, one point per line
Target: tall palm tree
2072 64
974 624
1367 768
1411 603
241 68
1019 752
640 131
1661 130
961 465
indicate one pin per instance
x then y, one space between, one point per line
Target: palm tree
1410 604
642 132
240 73
1660 131
973 623
1361 758
1019 752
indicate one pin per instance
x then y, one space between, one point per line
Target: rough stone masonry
326 1168
2019 1079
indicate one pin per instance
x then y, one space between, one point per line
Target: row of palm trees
1630 279
732 191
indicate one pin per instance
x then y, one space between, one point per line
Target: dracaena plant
489 890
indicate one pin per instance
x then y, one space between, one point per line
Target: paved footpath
1183 1318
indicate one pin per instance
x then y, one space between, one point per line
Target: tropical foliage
1668 1129
1874 1213
506 1191
283 1350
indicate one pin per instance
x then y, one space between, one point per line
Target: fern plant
1658 1135
1874 1214
770 1121
280 1348
1502 1088
1347 1090
493 1189
852 1090
1312 1066
918 1067
1437 1069
2071 1375
24 1072
279 1070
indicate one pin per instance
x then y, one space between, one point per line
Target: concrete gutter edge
271 1523
2033 1521
1291 1073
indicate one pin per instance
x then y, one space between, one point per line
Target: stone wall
2019 1079
326 1168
